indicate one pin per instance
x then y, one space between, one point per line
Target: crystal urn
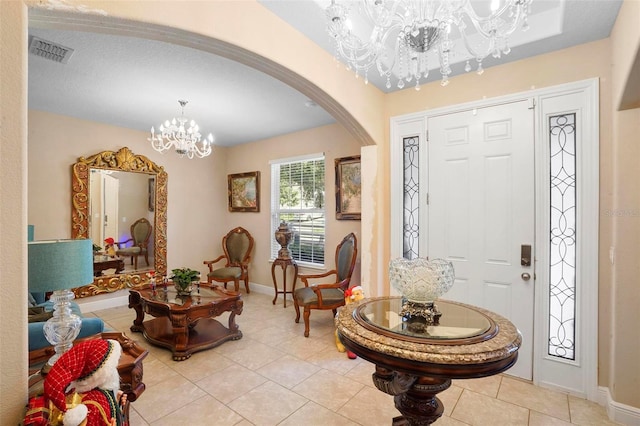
421 281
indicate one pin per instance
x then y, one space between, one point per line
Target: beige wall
56 142
625 54
197 214
335 91
622 225
335 142
13 210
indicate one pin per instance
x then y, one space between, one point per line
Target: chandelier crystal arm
405 37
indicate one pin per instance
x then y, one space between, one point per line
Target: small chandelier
186 140
406 38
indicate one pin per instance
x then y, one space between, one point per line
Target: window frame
277 211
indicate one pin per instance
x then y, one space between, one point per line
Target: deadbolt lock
525 255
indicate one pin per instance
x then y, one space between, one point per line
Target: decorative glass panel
562 241
411 188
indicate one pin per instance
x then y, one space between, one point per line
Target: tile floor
276 376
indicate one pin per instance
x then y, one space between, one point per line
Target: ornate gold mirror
138 189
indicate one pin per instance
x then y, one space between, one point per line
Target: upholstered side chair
140 236
237 246
327 295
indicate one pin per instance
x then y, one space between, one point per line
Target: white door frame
546 370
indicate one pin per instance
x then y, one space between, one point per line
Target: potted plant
182 279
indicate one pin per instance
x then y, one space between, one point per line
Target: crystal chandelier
405 38
186 140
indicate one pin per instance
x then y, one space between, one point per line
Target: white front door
481 211
111 219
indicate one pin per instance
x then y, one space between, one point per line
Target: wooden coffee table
185 324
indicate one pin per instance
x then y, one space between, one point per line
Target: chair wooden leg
146 258
135 263
307 313
236 285
246 283
295 305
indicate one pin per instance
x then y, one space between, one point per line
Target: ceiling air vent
49 50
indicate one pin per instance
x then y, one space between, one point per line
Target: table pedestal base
414 396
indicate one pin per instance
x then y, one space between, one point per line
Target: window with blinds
298 198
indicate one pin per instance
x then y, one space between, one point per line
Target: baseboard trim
100 302
621 413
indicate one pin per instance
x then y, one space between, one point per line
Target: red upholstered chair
329 294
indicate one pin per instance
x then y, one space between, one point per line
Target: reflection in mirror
117 202
111 191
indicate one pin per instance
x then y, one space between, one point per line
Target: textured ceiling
136 83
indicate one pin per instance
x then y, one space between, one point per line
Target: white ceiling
136 83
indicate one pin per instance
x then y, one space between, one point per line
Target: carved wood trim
122 160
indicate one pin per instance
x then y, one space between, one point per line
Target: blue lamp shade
60 264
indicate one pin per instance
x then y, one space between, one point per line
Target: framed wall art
348 188
244 192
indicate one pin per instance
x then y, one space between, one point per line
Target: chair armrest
317 289
306 277
210 263
119 243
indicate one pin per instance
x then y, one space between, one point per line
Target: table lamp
58 266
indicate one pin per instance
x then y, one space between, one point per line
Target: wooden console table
185 324
129 366
284 264
101 265
415 361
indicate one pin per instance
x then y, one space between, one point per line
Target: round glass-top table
459 324
416 360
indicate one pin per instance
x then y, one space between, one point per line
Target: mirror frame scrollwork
123 160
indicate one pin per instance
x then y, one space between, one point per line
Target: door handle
525 276
525 255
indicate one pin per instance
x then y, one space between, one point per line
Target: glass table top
201 294
456 324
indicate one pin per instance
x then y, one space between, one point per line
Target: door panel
481 210
111 191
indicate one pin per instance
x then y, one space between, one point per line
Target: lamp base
64 326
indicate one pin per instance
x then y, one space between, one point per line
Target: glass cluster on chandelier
406 38
186 140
